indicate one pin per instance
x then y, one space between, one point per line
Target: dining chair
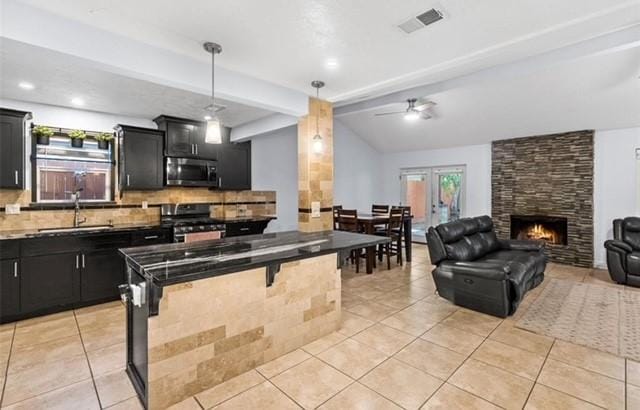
336 208
394 232
348 221
379 209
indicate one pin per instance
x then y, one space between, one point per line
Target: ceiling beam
125 56
609 43
262 126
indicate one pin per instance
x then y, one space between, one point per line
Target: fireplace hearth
551 229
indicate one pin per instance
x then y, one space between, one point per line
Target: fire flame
538 231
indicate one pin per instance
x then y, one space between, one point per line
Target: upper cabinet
12 148
234 166
141 161
185 138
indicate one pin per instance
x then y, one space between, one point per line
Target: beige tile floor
400 346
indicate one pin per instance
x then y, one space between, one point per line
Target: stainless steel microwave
191 172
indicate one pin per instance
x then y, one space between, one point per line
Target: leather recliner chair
623 251
477 271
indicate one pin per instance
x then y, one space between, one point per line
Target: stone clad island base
233 323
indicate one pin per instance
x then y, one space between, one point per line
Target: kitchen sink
77 229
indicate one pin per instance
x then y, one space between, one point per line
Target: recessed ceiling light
26 86
332 63
77 101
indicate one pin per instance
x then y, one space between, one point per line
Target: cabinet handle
83 260
244 229
151 237
193 150
16 177
219 182
128 182
77 261
196 145
15 269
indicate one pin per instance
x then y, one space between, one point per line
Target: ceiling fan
413 111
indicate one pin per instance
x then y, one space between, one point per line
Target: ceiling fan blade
425 105
425 116
388 113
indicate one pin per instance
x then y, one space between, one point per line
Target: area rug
601 317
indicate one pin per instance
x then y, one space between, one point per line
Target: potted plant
103 140
42 134
77 138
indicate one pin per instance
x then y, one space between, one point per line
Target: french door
435 195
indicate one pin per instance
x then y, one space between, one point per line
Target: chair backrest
630 231
395 221
335 216
348 220
379 209
466 239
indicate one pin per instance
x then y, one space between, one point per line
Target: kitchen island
201 313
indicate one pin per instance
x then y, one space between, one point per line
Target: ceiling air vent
420 21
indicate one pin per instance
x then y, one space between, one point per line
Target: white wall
477 159
616 184
274 167
357 170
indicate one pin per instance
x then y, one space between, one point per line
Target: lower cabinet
101 273
49 281
10 287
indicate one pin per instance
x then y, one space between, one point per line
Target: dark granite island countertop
170 264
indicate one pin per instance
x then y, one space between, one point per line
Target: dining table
368 223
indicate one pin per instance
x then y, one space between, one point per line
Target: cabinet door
11 152
49 281
102 272
234 166
180 140
9 287
203 149
143 162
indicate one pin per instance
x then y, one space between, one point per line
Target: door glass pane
448 196
415 188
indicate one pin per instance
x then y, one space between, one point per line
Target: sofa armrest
616 245
522 245
486 270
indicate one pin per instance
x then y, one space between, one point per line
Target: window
61 169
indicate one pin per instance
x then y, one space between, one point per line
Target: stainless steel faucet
76 214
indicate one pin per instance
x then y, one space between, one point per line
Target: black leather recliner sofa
476 270
623 251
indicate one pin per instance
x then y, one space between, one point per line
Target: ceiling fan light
214 131
411 115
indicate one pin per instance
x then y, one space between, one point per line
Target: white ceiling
597 92
58 78
287 42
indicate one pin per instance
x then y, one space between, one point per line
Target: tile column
315 169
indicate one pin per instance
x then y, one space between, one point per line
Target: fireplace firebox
550 229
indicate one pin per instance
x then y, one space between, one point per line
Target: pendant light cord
213 83
318 113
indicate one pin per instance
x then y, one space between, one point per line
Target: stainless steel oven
191 172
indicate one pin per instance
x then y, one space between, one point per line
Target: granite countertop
169 264
34 233
255 218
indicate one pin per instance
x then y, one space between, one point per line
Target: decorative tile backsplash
128 209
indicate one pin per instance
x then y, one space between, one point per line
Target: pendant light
317 144
214 127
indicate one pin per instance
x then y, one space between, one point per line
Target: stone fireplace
552 230
542 188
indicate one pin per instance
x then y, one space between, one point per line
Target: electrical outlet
145 204
12 209
315 209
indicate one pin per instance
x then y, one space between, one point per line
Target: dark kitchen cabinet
12 148
141 159
102 271
10 286
245 228
49 281
185 138
234 166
